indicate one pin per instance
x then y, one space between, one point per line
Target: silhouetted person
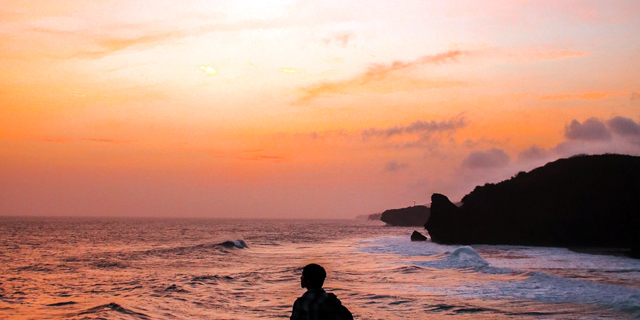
316 304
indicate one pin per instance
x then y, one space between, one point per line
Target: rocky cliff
406 217
580 201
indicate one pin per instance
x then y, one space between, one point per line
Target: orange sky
309 109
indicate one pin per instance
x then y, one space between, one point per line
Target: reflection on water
198 269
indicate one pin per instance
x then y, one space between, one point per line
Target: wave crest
239 244
114 307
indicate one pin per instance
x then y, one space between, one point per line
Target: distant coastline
373 216
414 216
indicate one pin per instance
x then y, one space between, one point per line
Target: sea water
90 268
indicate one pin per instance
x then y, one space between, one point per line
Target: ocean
108 268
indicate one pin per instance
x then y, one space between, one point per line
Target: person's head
313 276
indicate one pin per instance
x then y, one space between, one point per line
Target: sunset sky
301 109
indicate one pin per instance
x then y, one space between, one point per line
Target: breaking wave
526 285
113 308
239 244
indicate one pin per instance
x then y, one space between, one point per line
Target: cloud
107 140
377 73
635 95
68 140
526 54
624 126
113 44
99 45
593 137
393 166
492 158
261 158
574 147
591 129
533 153
419 126
537 55
54 140
270 157
340 38
589 95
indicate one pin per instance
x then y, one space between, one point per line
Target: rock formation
417 236
580 201
406 217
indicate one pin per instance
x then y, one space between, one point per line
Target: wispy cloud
91 45
107 140
523 54
394 166
262 158
589 95
415 135
113 44
70 140
340 38
254 155
419 126
380 70
54 140
538 55
270 157
377 73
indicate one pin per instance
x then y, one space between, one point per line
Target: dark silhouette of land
580 201
406 217
417 236
373 216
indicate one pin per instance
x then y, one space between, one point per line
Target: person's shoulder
302 297
337 309
299 300
298 313
333 298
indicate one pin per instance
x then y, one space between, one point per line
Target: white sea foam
546 288
443 256
402 246
465 257
522 257
535 286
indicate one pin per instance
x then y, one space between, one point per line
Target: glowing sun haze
301 109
